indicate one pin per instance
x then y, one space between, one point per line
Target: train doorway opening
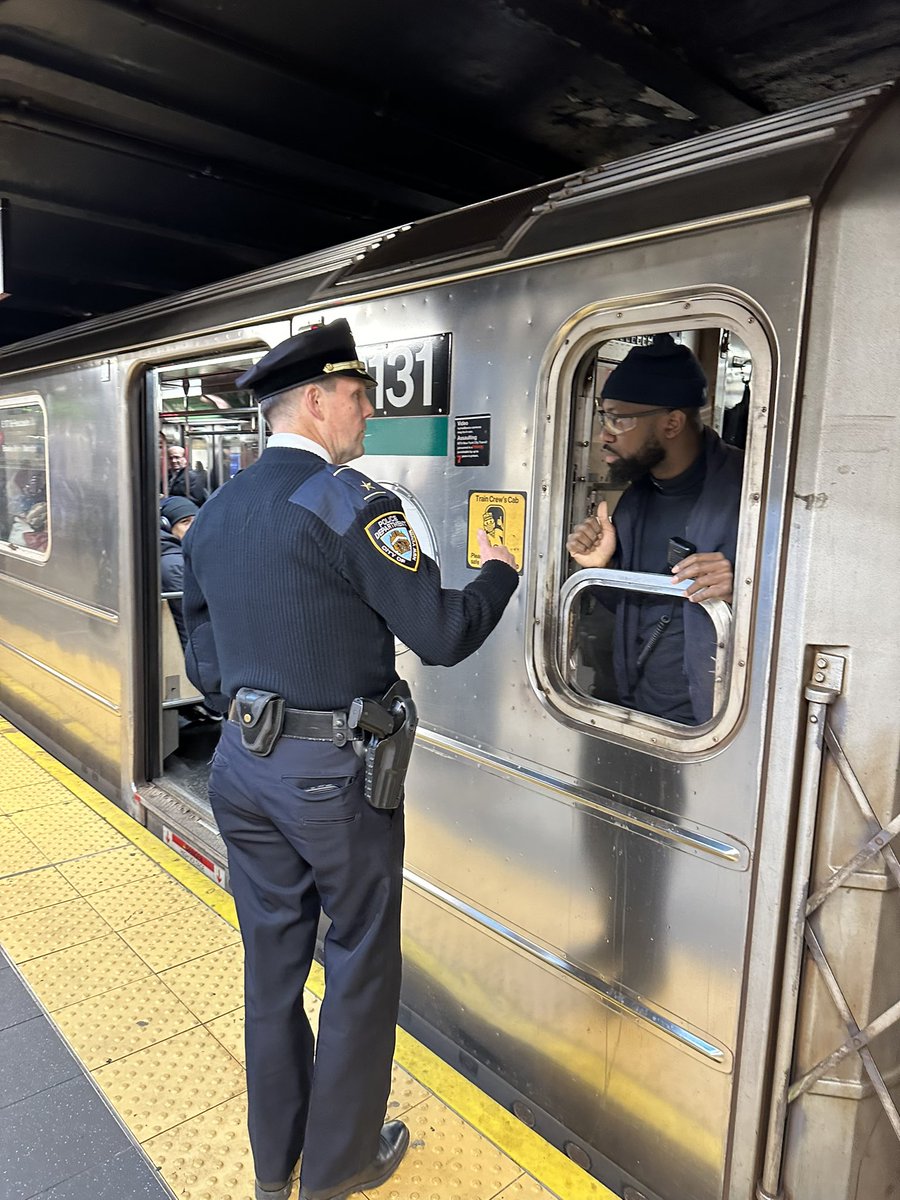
203 430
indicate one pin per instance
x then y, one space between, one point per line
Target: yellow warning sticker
502 517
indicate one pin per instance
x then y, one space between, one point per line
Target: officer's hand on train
713 577
593 542
500 553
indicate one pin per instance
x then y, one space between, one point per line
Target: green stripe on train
407 436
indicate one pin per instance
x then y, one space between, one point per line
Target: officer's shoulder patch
336 494
392 536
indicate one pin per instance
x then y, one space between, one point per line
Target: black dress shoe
274 1191
392 1147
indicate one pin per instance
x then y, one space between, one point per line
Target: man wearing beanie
176 517
685 483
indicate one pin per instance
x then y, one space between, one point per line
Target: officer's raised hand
593 542
487 551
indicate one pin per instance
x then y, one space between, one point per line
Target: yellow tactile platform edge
523 1146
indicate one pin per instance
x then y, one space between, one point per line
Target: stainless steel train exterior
672 949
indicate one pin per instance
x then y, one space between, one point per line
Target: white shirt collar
298 442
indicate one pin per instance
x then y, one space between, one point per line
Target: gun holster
261 718
387 757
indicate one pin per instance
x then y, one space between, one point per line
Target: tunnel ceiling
146 148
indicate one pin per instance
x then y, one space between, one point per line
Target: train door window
208 426
622 645
24 484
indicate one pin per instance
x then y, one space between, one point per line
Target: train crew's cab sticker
393 537
472 441
502 517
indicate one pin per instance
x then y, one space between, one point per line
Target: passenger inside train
677 519
176 515
24 515
182 480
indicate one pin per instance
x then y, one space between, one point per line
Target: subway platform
121 1026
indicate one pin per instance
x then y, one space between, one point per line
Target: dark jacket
712 526
171 570
299 575
193 489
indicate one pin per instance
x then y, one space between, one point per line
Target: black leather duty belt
307 723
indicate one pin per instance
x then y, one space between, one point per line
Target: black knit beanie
664 374
177 508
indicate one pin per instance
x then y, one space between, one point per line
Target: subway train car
670 948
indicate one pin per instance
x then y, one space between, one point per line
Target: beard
636 466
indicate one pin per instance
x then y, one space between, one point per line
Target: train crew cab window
24 496
659 431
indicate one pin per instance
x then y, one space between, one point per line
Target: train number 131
413 376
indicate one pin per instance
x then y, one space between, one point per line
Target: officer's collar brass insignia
392 536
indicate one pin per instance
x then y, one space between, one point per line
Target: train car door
199 418
660 863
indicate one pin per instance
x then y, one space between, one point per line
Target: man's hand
487 551
713 577
593 542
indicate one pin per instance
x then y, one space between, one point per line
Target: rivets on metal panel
820 676
524 1113
247 718
813 720
820 662
578 1156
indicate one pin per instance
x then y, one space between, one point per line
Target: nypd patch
391 535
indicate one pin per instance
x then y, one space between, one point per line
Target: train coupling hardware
388 727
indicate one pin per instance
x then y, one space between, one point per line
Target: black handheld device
679 548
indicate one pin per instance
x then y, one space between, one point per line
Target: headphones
165 524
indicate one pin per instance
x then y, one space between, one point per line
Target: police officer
298 575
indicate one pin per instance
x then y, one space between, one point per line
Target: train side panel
842 570
65 654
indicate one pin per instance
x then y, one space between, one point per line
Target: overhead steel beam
216 149
179 66
44 160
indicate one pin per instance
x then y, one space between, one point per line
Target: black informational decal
472 441
413 376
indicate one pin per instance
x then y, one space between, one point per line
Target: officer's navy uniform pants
301 838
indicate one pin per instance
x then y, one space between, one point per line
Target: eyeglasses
617 423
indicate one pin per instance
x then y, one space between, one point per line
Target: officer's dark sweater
297 578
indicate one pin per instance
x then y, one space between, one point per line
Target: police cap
320 352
